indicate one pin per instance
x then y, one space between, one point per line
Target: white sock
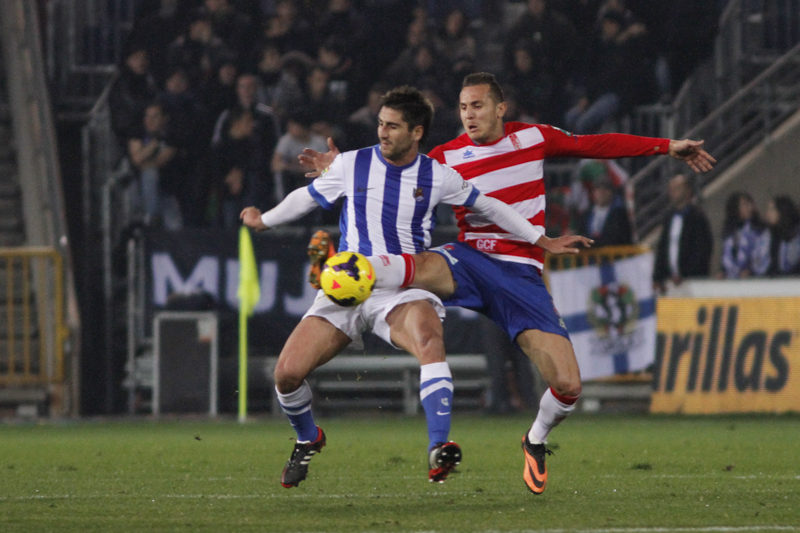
392 271
551 412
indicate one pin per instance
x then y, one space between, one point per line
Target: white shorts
371 315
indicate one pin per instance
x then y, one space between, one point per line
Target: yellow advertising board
727 355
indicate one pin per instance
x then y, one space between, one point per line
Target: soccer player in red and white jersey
498 273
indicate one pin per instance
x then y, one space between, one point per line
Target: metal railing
32 331
738 125
85 44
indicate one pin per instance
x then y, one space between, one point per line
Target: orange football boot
535 473
320 248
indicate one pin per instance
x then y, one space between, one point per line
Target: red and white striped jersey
511 170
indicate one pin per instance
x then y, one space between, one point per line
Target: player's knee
567 386
287 380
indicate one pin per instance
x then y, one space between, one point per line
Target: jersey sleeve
438 154
329 186
456 190
560 143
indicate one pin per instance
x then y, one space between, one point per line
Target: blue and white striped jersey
388 209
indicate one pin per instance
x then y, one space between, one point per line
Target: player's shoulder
456 144
351 155
513 127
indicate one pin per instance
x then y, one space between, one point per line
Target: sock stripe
296 410
567 400
411 270
430 389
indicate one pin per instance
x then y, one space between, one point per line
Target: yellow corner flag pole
249 293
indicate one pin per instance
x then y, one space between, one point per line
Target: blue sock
297 406
436 394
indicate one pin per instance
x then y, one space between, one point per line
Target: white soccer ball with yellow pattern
347 278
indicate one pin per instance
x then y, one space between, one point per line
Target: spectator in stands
334 58
783 219
425 67
183 127
324 106
607 221
745 239
183 109
513 111
553 47
235 28
297 137
198 50
290 91
685 245
242 145
689 28
217 94
154 155
158 25
453 40
131 92
341 21
534 88
439 10
360 126
268 66
445 124
616 78
416 36
288 31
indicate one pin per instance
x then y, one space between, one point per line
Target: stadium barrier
32 329
728 347
380 381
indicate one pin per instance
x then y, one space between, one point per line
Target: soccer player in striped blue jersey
390 192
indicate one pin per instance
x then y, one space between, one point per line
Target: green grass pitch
609 474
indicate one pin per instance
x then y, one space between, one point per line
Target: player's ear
417 132
501 109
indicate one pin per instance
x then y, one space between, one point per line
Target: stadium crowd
216 98
235 88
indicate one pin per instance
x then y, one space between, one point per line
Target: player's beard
396 151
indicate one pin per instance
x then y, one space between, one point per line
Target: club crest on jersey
419 194
468 154
515 141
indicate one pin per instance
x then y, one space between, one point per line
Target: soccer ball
347 278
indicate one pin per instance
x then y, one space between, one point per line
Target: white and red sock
393 271
553 408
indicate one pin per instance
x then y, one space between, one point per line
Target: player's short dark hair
412 104
485 78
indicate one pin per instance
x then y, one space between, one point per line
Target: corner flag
249 293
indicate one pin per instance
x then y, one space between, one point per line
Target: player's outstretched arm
318 161
251 217
692 152
566 244
298 203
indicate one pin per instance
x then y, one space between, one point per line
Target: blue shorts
513 295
